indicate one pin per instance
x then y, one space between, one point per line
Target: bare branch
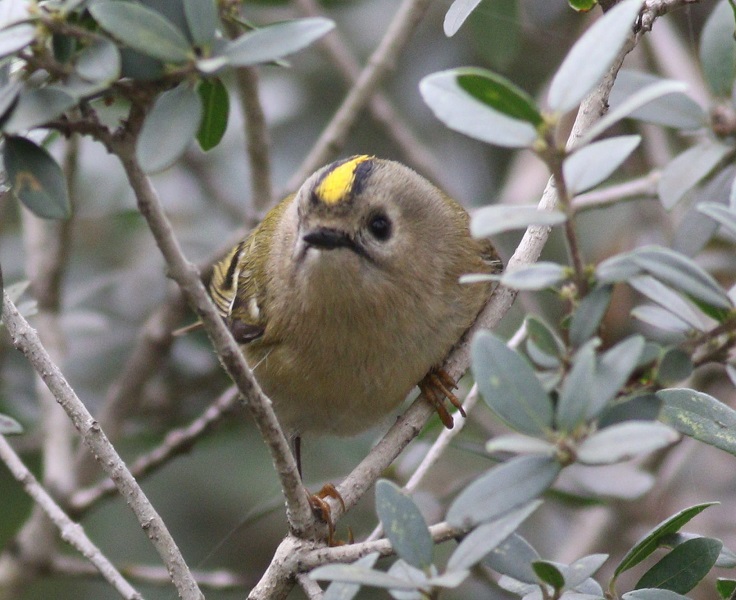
70 532
26 340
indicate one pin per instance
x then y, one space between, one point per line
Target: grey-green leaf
520 444
202 21
514 558
537 276
669 300
275 41
169 128
582 569
687 169
485 538
15 38
360 575
684 567
457 109
588 315
700 416
591 56
99 62
9 426
36 179
675 366
578 388
650 541
624 441
594 163
612 372
36 107
142 29
8 95
456 15
661 319
543 336
718 50
653 594
509 387
403 524
347 591
724 215
502 489
498 218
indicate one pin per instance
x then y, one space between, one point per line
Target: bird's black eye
380 227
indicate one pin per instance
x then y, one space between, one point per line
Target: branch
70 532
384 56
26 340
642 187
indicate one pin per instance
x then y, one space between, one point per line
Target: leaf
537 276
498 218
456 15
459 111
687 169
360 575
168 128
514 558
100 61
723 215
613 370
653 594
684 567
592 56
718 50
543 336
275 41
654 100
594 163
622 442
549 574
500 94
8 95
142 29
699 416
406 572
9 426
582 5
16 38
520 444
215 109
404 525
661 319
578 389
502 489
588 315
650 541
347 591
202 21
669 300
725 587
674 367
36 107
509 387
36 179
583 568
485 538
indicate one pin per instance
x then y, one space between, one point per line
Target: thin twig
641 187
70 532
402 25
27 341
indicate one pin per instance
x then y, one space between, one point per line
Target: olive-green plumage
347 294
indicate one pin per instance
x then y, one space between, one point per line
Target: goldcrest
347 294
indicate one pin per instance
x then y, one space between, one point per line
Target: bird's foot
436 385
323 512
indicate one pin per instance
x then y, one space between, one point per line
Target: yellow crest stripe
338 183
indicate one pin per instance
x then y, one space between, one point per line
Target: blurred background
221 500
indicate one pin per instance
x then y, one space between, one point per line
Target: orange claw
324 513
436 385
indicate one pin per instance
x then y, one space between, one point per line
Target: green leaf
142 29
9 426
650 541
594 163
100 61
653 594
36 179
456 15
461 112
514 558
582 5
347 591
13 39
674 367
624 441
487 537
404 525
652 99
578 389
549 574
588 315
684 567
36 107
699 416
502 489
202 21
718 50
687 169
275 41
500 94
215 109
725 587
169 128
537 276
509 387
498 218
592 56
723 215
